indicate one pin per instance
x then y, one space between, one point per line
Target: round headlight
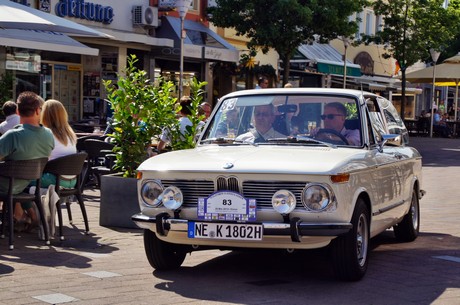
283 201
172 198
151 192
316 197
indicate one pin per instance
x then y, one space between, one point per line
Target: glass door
66 89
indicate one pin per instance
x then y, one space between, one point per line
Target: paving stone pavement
109 266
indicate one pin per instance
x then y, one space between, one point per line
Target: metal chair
81 141
25 170
100 159
68 165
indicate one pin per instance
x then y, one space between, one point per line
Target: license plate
234 231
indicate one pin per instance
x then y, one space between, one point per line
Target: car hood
263 158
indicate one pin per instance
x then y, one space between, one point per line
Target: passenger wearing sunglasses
334 118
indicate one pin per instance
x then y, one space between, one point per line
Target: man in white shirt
264 116
12 118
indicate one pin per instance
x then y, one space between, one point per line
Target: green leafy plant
352 111
140 111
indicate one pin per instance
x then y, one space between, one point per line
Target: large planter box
118 201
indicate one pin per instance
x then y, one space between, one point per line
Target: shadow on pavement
73 252
272 277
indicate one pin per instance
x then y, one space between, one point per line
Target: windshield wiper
218 140
222 140
301 139
246 142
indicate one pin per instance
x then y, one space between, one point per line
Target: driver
264 116
334 118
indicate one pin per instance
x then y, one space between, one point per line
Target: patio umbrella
446 74
18 16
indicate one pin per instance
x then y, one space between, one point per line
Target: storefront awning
44 40
138 38
377 83
200 42
337 68
18 16
328 60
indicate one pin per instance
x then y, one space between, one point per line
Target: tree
286 24
411 28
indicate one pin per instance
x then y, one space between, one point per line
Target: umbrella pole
433 100
456 98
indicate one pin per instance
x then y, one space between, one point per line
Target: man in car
334 119
264 116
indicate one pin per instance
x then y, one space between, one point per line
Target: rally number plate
226 205
230 231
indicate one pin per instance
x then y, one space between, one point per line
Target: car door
404 156
387 176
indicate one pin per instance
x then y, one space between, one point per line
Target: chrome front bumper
162 224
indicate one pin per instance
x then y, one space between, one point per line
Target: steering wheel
331 136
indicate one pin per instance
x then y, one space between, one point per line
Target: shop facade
72 68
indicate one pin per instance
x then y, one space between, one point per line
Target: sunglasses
330 116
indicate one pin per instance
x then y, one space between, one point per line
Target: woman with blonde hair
54 116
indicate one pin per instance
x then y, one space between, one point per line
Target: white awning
134 37
200 42
44 40
377 87
17 16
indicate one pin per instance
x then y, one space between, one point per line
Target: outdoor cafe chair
81 141
70 165
27 170
100 160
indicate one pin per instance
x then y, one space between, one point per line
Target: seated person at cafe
439 125
12 118
264 117
54 116
334 117
28 140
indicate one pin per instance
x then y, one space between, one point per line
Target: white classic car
286 169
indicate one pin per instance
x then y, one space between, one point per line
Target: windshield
285 119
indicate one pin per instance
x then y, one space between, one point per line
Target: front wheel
162 255
350 251
407 230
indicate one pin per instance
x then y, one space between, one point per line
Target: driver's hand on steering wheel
314 132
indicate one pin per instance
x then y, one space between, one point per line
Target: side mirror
390 139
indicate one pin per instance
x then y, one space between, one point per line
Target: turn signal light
340 178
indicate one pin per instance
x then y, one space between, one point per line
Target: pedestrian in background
12 118
262 83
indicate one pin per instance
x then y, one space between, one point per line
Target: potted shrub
140 112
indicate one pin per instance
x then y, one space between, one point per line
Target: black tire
407 230
162 255
350 251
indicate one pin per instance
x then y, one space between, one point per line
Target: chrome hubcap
414 212
362 240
